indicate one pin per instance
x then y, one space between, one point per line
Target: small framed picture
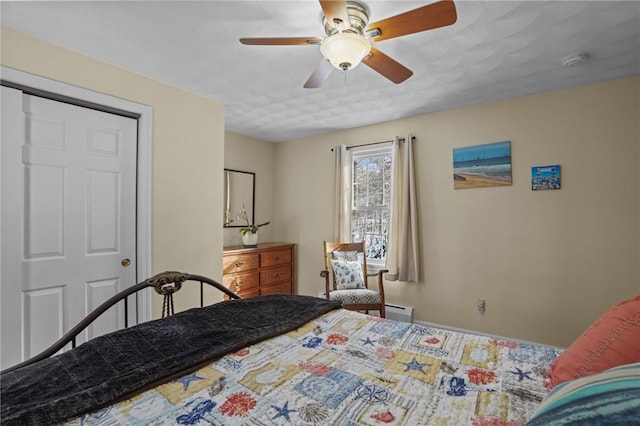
544 178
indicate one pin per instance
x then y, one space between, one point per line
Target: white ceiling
496 50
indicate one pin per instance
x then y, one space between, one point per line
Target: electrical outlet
481 305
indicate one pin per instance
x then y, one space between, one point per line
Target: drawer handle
239 264
238 284
276 257
277 275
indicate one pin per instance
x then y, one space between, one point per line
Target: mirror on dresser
239 193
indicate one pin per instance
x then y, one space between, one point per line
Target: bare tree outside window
371 195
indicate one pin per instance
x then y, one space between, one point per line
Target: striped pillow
611 397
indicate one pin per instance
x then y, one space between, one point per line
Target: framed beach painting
482 165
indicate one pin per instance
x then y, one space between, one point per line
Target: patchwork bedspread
347 368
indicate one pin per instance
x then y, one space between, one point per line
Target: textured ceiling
496 50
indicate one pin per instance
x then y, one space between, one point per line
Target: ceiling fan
349 37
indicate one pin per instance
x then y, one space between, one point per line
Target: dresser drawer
239 263
249 293
274 275
282 288
240 282
278 257
265 269
245 293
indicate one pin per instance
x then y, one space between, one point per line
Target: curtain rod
376 143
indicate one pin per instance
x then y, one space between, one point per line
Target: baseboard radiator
399 312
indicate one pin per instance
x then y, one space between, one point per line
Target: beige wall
256 156
188 147
548 263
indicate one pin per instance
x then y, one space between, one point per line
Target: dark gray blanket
119 365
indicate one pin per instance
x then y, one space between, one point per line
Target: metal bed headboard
165 283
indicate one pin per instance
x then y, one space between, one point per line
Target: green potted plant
250 232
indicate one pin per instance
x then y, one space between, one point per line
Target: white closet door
68 181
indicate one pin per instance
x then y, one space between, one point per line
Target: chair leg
383 314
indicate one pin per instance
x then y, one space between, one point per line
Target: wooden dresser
268 268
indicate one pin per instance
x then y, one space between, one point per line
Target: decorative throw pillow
348 255
347 274
611 397
611 341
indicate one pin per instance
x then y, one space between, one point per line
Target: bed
282 359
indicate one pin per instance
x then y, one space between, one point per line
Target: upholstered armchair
345 275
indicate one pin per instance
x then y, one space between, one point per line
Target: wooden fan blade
281 41
336 11
435 15
320 75
386 66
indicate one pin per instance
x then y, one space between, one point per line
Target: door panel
97 292
44 213
69 206
102 213
43 317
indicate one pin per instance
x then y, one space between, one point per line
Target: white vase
250 239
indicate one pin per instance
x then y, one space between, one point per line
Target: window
371 198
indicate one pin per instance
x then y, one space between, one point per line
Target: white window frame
358 153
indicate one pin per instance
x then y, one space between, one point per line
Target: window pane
371 197
386 182
370 181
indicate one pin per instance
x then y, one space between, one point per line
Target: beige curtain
402 250
342 205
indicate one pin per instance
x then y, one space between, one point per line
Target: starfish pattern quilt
348 368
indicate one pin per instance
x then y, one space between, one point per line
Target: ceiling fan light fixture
345 50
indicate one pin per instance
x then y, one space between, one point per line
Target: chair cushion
349 255
611 341
347 274
350 297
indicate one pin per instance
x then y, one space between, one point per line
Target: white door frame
144 166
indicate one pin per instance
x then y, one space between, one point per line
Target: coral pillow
612 340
